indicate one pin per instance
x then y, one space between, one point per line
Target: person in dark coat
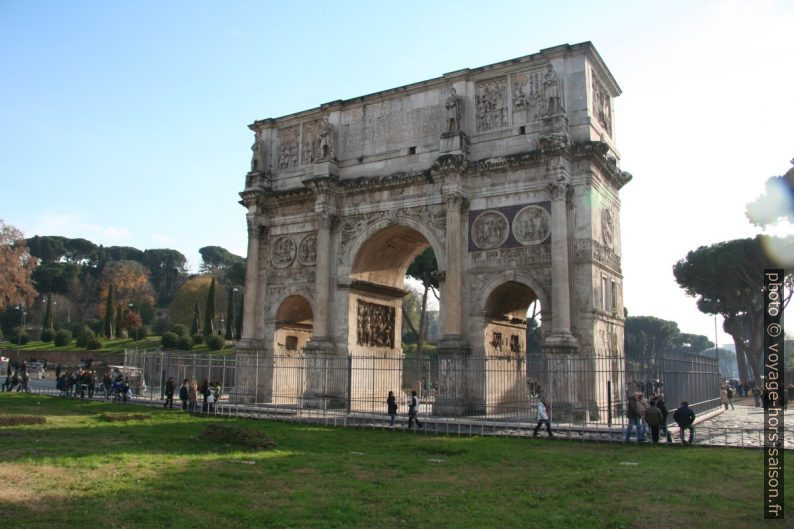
685 417
663 408
183 394
170 387
391 404
653 416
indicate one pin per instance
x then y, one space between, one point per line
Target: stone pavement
742 426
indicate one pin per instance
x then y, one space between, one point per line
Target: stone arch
515 277
361 239
293 323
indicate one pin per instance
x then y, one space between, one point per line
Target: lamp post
23 313
234 308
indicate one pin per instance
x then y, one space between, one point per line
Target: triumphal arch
508 172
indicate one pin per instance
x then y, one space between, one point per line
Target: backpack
730 393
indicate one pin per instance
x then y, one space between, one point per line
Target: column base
250 346
453 343
560 342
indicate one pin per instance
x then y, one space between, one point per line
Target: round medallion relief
489 230
531 225
607 227
307 250
283 252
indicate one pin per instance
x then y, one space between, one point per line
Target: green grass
109 346
81 470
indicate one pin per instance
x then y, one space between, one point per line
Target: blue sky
125 122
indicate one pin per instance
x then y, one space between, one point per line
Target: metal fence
580 390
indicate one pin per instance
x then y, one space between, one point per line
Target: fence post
609 403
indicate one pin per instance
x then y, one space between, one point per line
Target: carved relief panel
489 230
532 225
527 95
288 147
375 324
491 104
602 106
307 250
283 252
607 228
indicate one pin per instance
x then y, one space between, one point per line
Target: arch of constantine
508 172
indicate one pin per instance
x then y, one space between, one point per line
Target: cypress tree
230 315
196 327
119 319
209 311
47 323
238 328
109 302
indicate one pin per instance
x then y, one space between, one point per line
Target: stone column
322 322
560 277
252 287
453 280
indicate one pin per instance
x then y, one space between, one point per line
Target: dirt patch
16 420
237 436
123 417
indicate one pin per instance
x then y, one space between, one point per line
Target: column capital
455 201
325 219
256 226
558 187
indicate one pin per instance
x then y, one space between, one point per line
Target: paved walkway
742 426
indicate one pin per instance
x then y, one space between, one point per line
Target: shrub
63 337
184 343
215 342
160 326
15 338
93 344
85 336
47 335
96 325
179 329
168 340
197 339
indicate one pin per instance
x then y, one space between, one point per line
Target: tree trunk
420 341
741 362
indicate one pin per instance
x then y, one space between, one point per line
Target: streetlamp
234 308
23 313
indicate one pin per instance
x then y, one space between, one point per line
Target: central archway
375 318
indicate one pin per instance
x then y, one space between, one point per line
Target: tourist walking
685 417
757 396
413 410
543 418
183 394
654 418
24 380
634 412
391 405
170 386
724 397
729 391
107 383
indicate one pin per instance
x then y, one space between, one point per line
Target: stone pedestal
460 380
454 143
326 376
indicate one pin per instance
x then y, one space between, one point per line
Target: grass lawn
81 470
108 346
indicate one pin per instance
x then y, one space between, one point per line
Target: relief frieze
288 147
375 324
490 101
586 250
539 255
291 275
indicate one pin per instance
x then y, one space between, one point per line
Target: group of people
17 376
189 393
413 409
644 414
